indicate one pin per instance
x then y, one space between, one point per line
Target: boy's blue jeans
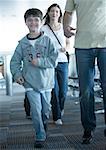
85 59
60 90
40 110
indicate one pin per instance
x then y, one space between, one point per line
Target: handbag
67 54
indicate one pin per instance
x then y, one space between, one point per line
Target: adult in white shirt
54 29
90 44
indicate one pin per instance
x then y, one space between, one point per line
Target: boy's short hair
33 12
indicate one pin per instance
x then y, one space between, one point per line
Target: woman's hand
62 49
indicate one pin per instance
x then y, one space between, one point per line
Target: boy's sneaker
87 137
39 144
58 122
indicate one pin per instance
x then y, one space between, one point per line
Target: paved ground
16 132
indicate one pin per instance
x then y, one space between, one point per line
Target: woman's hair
47 18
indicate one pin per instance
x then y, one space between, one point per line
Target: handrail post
8 76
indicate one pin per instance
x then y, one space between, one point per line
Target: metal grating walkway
17 133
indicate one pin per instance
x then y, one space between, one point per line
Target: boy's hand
20 80
34 61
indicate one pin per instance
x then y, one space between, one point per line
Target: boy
32 65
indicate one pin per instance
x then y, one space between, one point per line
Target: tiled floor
16 132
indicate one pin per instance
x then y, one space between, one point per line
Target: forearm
68 46
47 61
67 19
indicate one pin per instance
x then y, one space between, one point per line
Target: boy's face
33 23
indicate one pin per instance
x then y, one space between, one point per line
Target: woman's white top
60 35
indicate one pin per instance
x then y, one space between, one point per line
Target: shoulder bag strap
54 34
67 54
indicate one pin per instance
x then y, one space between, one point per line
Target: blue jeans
59 92
85 59
40 110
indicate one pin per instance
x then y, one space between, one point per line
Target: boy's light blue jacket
41 76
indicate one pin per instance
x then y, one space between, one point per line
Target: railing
72 73
7 74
